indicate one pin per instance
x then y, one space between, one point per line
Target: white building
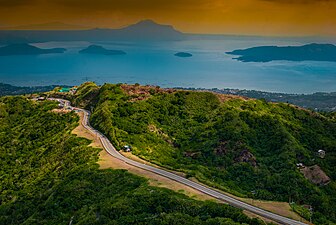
321 153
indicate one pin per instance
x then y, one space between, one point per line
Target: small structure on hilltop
321 153
64 90
68 90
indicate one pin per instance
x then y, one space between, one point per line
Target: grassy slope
49 176
196 133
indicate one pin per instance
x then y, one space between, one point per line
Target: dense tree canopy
49 176
246 147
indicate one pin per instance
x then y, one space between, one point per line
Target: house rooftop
64 90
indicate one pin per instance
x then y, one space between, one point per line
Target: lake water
155 63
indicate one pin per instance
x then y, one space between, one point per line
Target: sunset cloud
265 17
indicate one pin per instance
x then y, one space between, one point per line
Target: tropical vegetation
50 176
247 147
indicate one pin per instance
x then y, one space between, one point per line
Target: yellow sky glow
258 17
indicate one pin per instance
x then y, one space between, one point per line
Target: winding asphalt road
232 201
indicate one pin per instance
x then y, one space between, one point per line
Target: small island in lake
96 49
26 49
183 54
311 52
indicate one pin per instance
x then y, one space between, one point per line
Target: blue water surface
155 63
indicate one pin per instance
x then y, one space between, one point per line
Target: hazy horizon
60 26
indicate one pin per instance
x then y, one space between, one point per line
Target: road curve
216 194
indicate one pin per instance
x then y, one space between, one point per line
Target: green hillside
49 176
247 147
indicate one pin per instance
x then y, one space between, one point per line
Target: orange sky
260 17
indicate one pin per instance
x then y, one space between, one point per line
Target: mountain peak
147 22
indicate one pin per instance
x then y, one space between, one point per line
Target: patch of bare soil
139 93
280 208
315 175
62 111
226 97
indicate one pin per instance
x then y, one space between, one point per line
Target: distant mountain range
47 26
141 31
7 89
313 52
26 49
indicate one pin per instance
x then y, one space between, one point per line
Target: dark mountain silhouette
7 89
25 49
96 49
313 52
46 26
146 30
